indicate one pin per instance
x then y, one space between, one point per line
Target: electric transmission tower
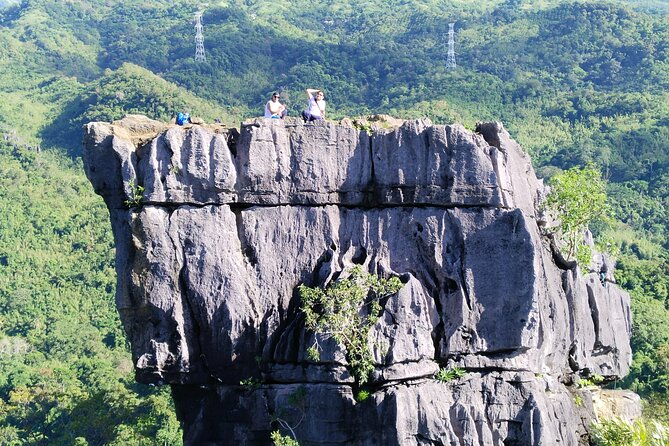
450 62
199 38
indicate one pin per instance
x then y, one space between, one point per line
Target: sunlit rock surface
215 231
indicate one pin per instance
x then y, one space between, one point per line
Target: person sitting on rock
316 106
275 109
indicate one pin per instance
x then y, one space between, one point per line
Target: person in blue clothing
316 106
183 118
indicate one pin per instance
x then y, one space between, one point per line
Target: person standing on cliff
316 106
275 109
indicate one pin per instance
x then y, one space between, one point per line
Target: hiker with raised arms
316 106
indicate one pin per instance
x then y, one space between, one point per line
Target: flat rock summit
216 229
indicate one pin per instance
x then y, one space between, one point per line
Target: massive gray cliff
210 254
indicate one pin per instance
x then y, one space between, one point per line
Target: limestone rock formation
213 239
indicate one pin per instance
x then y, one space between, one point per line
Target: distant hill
128 89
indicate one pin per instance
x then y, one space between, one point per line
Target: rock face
210 259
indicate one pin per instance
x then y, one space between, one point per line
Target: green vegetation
250 384
362 395
576 83
65 373
577 199
346 311
136 198
283 440
296 401
620 433
592 381
445 375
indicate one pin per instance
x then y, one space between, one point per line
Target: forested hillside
573 82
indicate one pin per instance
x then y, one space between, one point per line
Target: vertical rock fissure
463 280
170 153
594 314
371 188
212 159
188 311
187 308
248 251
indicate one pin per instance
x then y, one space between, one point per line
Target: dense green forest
573 82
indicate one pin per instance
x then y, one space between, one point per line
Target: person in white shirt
275 109
316 107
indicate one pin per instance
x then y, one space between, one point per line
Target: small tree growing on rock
577 198
346 311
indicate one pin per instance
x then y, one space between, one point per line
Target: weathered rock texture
209 263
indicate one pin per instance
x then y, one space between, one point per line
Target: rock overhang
310 164
210 259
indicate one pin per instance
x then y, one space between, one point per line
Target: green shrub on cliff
283 440
346 311
445 375
576 199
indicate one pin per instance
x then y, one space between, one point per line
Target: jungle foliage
575 82
65 373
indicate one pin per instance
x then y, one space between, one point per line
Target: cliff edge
214 234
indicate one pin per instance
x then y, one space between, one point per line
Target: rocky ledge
214 232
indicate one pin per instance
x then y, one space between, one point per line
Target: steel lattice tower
450 62
199 38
